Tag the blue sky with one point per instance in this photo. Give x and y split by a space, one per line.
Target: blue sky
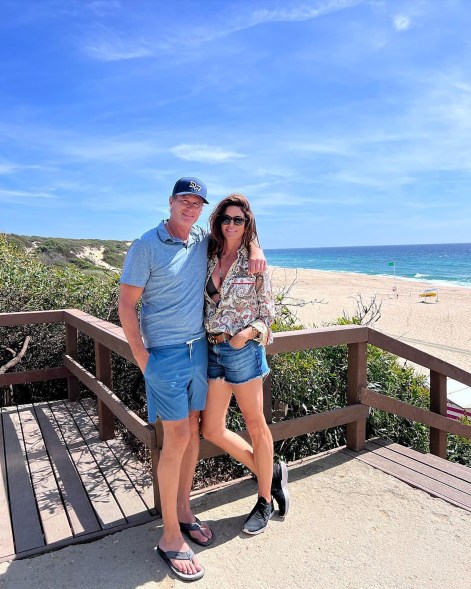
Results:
345 122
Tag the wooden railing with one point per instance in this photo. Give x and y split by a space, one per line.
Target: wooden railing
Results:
110 338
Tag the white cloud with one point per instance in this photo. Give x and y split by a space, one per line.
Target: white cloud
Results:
21 194
108 45
401 22
300 13
110 150
204 153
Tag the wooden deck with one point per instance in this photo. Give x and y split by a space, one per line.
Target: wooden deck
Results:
438 477
60 484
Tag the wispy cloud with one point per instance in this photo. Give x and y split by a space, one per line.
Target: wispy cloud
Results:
110 149
19 195
205 153
108 45
402 22
300 13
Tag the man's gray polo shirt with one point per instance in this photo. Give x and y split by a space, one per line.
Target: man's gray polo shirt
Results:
173 275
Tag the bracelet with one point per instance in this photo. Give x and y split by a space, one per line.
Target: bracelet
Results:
255 332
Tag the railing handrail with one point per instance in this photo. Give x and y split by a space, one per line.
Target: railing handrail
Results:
111 338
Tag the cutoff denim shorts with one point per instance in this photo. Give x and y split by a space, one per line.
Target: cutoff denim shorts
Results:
176 382
237 366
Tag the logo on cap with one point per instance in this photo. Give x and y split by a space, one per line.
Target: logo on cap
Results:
195 186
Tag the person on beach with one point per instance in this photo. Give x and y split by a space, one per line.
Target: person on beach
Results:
239 309
166 270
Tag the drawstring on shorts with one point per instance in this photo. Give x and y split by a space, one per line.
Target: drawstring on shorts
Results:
189 343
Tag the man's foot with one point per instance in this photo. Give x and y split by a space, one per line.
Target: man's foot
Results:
181 559
279 487
196 531
259 517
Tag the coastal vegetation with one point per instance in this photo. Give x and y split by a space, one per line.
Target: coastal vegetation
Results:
303 382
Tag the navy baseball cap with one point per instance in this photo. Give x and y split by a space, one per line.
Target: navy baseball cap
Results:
190 186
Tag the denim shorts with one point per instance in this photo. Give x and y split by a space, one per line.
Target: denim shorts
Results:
176 381
237 366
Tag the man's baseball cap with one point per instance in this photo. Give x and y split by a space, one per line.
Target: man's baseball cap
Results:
190 186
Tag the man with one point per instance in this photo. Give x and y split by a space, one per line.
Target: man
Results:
166 268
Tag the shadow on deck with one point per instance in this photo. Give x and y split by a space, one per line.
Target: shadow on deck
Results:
63 485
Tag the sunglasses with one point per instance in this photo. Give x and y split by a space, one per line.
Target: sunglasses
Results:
226 220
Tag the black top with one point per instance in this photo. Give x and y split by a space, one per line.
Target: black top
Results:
211 288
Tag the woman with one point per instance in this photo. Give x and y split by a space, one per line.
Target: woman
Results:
239 309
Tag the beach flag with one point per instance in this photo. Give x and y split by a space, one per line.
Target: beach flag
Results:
391 263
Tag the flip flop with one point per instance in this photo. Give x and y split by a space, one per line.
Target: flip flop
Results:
166 556
196 527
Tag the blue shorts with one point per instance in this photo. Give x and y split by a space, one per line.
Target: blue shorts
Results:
237 366
176 380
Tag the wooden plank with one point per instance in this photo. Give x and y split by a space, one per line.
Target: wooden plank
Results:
305 339
51 510
131 504
110 337
298 427
127 417
357 365
414 479
104 504
438 404
402 409
420 466
33 376
7 545
26 525
457 470
31 317
385 342
139 475
77 503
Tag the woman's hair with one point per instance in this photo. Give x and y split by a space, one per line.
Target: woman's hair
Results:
216 242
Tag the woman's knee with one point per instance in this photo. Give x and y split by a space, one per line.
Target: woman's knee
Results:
211 431
257 427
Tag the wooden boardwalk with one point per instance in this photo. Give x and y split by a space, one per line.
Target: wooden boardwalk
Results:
438 477
60 484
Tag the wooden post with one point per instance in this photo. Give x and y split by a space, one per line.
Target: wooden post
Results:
357 361
155 456
267 400
438 404
103 373
71 349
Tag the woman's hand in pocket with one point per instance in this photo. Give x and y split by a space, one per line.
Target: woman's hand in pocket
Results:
239 340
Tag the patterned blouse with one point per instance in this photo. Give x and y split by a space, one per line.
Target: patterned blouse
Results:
245 299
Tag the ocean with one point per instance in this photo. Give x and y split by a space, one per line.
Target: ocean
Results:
447 263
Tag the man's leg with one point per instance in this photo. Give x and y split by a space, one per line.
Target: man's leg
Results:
175 444
187 473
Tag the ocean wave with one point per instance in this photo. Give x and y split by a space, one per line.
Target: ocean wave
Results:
420 275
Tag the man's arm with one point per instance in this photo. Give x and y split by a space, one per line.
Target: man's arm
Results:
257 261
127 309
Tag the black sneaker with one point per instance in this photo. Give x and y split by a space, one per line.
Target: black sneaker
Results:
259 517
279 487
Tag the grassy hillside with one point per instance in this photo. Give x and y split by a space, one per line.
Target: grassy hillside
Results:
92 255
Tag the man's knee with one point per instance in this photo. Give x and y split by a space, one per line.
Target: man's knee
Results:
177 434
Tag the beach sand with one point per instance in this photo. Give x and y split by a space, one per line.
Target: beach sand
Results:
440 327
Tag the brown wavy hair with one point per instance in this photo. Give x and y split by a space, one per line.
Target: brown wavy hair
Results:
216 241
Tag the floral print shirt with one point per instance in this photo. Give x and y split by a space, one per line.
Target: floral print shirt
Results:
245 299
